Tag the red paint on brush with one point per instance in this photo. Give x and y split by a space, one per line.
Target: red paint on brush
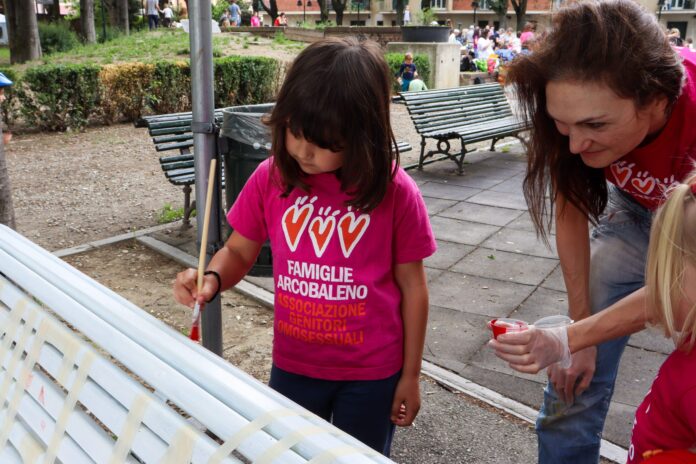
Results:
195 333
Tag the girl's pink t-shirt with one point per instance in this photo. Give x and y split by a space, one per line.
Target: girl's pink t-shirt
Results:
337 305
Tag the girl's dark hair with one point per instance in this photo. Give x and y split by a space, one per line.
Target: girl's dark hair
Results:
613 42
336 95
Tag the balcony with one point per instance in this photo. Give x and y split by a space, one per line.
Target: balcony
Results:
678 5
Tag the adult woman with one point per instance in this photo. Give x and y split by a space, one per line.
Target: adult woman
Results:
600 113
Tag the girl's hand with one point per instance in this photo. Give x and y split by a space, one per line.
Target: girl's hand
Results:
407 402
185 291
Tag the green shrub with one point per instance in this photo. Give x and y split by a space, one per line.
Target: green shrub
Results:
421 61
59 97
241 80
170 89
56 37
124 90
10 107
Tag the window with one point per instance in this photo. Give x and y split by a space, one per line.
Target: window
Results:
438 4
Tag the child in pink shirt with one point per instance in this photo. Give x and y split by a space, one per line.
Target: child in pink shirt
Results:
349 231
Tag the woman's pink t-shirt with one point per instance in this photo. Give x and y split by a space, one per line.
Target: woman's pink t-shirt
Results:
337 305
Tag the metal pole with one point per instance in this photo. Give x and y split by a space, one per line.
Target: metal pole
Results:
304 12
359 13
202 126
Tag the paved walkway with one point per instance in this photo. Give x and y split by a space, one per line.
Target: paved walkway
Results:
490 264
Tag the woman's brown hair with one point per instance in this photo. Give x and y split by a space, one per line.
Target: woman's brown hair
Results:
336 95
613 42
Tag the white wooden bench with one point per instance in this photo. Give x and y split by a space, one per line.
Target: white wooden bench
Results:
88 377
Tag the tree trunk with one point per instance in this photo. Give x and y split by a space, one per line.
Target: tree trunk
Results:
7 216
23 31
271 9
521 12
89 34
122 15
339 7
323 10
399 12
55 10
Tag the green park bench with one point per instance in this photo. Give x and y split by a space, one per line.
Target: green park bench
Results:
471 114
172 132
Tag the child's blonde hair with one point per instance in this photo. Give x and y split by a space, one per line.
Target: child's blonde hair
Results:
673 247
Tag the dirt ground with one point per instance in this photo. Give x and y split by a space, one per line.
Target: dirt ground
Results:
145 278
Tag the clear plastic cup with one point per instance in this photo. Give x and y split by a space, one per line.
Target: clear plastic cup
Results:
505 325
551 322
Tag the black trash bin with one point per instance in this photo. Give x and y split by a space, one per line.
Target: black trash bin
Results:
244 143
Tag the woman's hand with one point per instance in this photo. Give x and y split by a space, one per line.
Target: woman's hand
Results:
570 383
185 288
406 403
532 350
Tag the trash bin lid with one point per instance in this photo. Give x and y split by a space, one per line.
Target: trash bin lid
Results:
243 124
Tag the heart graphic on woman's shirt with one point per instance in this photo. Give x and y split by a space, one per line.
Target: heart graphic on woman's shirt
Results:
294 222
320 231
644 186
621 174
350 230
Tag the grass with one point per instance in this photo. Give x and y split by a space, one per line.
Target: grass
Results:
168 214
145 47
4 56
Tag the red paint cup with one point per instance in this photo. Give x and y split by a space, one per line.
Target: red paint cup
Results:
503 325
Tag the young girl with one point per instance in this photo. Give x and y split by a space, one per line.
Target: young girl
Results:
666 419
348 230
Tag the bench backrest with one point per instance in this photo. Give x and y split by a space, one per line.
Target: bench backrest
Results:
460 106
86 376
172 131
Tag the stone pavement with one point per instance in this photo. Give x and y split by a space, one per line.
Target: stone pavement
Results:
490 264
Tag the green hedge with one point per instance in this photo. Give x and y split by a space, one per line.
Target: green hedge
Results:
421 61
62 97
9 108
55 97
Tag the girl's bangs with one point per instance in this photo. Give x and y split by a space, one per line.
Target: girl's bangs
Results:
323 129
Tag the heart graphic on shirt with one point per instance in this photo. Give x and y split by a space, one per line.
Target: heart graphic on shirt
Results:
320 231
644 186
295 221
350 230
621 174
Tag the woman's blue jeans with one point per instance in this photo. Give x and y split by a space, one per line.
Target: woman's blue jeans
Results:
571 434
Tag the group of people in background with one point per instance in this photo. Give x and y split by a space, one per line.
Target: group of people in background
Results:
232 17
154 10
